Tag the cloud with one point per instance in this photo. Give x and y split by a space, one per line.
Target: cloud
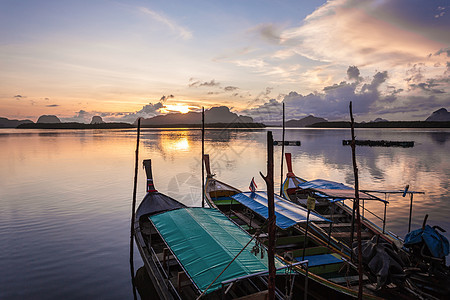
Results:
18 97
181 31
52 105
198 83
353 73
80 116
269 32
428 87
164 98
371 97
443 50
267 112
230 88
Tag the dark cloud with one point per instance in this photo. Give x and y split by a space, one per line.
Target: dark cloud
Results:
18 97
80 116
270 33
164 98
210 83
428 87
353 73
147 111
369 96
415 73
230 88
198 83
52 105
267 112
332 103
444 50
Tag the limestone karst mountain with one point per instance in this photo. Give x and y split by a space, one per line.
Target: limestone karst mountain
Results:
221 114
97 120
48 119
306 121
440 115
7 123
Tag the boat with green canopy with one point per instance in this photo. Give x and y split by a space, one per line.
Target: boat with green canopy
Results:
192 252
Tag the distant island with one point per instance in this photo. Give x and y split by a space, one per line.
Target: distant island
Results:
388 124
74 125
222 117
214 115
438 119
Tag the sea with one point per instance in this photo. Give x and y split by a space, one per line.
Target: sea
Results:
66 195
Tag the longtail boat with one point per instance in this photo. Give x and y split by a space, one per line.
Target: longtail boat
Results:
331 274
195 252
428 276
330 200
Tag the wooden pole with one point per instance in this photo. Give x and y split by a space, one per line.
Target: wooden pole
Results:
356 205
203 155
282 157
271 225
410 212
133 210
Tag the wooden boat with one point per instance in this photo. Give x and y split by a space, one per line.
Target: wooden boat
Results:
193 252
424 282
331 275
330 202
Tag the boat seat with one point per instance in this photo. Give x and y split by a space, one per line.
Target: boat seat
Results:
334 216
320 260
246 220
182 281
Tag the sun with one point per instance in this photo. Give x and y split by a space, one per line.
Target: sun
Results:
181 108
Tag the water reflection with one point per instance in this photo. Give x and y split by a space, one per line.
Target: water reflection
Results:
69 194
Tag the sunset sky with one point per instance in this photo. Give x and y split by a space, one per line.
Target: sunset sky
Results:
123 59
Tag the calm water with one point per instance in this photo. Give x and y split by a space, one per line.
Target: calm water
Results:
66 195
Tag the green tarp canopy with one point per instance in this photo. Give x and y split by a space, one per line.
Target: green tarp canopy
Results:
205 241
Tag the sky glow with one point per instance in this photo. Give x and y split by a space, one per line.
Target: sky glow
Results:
125 59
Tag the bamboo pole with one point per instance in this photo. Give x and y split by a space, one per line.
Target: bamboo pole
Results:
203 155
133 210
282 157
271 225
356 205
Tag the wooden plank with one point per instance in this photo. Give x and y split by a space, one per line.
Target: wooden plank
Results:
364 235
334 216
338 225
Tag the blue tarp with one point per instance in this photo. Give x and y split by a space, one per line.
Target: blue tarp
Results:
287 213
321 184
320 260
324 184
436 242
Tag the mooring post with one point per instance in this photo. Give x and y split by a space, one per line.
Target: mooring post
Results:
203 155
282 157
133 209
356 205
271 207
410 212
